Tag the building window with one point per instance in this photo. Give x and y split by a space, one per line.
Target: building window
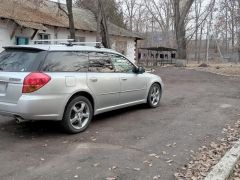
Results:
22 41
43 36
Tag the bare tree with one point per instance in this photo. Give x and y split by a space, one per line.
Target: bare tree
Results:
69 13
102 9
162 13
112 9
131 10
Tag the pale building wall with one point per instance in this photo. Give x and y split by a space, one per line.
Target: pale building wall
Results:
130 47
6 28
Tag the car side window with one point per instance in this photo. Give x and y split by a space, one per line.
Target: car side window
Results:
100 62
68 61
122 64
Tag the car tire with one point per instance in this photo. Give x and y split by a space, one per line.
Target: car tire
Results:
154 95
78 115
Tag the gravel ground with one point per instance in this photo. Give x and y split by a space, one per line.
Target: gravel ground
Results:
132 143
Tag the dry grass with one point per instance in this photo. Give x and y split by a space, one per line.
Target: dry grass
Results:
223 69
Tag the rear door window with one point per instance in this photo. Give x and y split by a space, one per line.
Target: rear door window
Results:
17 60
66 62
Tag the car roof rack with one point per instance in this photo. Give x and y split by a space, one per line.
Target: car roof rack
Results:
51 41
97 44
67 42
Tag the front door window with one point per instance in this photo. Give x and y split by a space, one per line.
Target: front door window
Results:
121 64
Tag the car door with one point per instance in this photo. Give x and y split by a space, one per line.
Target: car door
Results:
103 81
133 85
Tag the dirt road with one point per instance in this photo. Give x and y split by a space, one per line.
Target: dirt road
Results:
133 143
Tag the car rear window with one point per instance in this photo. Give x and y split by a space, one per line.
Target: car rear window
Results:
66 62
17 60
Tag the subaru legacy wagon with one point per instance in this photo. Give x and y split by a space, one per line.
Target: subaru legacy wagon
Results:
71 84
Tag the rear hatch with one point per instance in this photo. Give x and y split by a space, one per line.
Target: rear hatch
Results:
15 65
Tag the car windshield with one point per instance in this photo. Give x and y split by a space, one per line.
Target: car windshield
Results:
16 60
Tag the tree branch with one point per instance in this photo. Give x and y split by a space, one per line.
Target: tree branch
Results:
62 9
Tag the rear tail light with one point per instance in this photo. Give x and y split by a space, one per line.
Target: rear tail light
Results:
35 81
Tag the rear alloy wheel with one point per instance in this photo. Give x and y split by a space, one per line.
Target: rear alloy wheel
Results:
78 115
154 95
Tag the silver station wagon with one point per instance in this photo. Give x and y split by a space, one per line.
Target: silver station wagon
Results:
71 83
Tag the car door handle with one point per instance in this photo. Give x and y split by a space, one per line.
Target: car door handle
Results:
93 79
124 78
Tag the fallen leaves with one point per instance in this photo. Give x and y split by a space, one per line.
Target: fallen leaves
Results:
112 168
203 160
236 172
137 169
149 163
171 145
156 177
111 178
164 153
154 155
76 176
93 139
96 164
169 161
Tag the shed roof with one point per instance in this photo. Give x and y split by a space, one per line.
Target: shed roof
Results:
28 14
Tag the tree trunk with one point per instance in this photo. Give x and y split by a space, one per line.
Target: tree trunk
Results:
181 42
238 31
104 27
200 44
71 20
98 38
180 14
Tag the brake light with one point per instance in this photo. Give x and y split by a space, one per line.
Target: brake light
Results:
35 81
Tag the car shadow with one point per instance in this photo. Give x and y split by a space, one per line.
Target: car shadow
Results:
115 113
53 128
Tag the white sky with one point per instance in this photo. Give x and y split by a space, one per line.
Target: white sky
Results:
61 1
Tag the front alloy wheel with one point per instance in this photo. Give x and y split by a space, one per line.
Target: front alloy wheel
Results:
154 95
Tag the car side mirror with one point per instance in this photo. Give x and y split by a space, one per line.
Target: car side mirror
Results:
139 70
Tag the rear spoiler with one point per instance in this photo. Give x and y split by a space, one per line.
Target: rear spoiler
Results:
23 48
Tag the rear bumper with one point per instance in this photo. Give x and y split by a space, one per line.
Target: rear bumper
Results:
36 107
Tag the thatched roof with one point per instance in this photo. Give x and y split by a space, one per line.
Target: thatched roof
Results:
26 13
